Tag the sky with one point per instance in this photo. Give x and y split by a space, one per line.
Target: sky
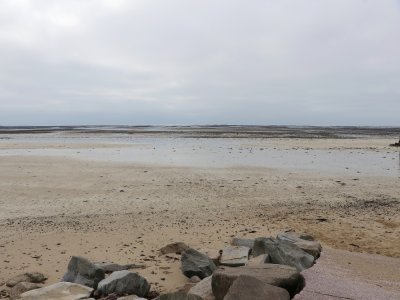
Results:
294 62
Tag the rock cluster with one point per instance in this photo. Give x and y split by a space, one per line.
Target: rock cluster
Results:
263 268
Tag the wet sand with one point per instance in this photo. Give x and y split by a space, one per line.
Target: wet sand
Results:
54 206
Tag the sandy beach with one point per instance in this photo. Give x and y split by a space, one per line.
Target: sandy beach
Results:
57 201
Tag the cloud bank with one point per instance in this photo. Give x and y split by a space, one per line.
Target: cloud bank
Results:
333 62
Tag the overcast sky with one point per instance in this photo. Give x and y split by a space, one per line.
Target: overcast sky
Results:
330 62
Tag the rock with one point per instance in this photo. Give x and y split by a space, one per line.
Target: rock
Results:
259 247
177 248
311 247
111 297
242 242
194 279
178 296
4 294
131 297
59 291
203 289
82 271
351 275
33 277
111 267
194 263
250 288
213 254
23 287
282 276
235 256
124 283
259 260
283 252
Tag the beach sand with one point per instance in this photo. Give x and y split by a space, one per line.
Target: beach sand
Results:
53 207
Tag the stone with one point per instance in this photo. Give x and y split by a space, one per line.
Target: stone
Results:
242 242
213 254
203 289
311 247
33 277
259 260
282 276
194 263
259 246
59 291
194 279
283 252
131 297
23 287
340 274
178 296
234 256
177 248
250 288
82 271
124 283
111 267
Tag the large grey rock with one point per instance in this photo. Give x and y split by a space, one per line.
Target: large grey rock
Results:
259 260
282 276
203 289
194 263
33 277
177 248
349 275
59 291
260 247
243 242
124 283
250 288
111 267
23 287
178 296
235 256
82 271
131 297
283 252
311 247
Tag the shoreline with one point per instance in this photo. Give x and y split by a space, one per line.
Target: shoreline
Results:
124 213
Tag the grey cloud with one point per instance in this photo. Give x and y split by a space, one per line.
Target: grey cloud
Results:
256 62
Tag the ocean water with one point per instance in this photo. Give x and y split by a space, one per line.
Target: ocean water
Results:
210 153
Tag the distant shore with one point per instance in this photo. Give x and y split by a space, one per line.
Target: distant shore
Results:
220 131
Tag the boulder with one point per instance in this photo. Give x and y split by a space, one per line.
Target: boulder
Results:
250 288
283 252
178 296
282 276
23 287
259 246
82 271
234 256
242 242
177 248
33 277
111 267
131 297
124 283
311 247
194 263
203 289
259 260
59 291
